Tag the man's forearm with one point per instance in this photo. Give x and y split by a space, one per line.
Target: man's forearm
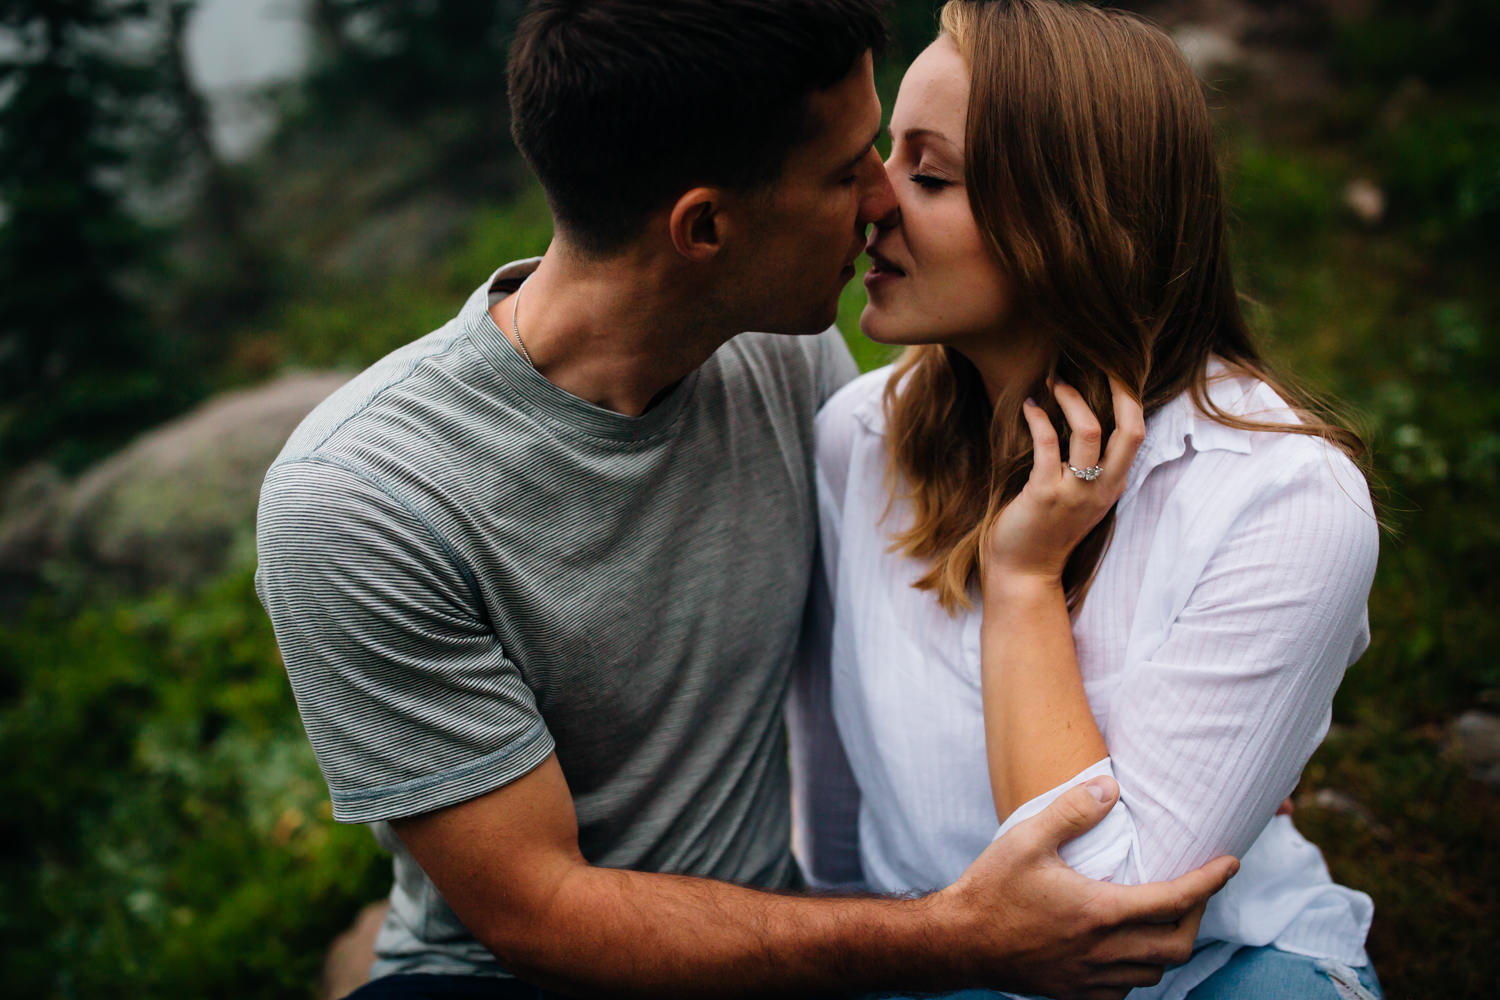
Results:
631 933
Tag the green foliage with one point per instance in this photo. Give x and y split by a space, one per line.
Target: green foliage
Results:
1441 168
1445 44
1403 324
170 831
347 322
1425 854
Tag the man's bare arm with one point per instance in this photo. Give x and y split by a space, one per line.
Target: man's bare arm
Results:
508 863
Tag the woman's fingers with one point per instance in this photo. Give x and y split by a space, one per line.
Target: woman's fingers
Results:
1086 435
1129 432
1045 453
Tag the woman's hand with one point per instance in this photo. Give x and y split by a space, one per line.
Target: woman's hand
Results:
1036 532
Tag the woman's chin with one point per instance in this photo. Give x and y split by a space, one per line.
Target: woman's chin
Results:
883 328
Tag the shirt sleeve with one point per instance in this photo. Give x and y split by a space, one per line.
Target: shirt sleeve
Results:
407 698
836 367
1210 730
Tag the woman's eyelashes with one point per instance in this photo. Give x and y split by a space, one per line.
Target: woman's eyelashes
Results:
929 182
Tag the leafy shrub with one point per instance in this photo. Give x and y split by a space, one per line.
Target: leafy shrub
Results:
169 834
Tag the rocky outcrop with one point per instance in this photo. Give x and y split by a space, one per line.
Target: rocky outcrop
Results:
1474 739
172 508
346 967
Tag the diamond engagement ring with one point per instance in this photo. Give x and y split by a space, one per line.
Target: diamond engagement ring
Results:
1089 474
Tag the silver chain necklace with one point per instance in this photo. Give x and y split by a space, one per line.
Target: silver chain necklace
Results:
515 324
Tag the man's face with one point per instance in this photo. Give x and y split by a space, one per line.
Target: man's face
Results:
808 230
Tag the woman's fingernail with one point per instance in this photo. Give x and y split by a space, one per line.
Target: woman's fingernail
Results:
1097 790
1030 401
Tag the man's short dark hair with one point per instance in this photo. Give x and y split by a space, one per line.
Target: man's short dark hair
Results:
621 105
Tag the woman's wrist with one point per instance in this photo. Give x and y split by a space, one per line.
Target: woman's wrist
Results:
1010 587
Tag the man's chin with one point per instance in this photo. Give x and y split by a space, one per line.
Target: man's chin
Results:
807 326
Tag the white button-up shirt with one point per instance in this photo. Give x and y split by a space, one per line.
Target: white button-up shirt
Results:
1223 616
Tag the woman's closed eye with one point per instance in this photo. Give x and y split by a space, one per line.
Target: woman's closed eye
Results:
930 182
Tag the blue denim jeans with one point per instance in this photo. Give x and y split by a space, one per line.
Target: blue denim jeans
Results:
434 987
1265 974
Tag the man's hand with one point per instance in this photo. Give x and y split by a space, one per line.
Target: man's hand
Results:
1051 931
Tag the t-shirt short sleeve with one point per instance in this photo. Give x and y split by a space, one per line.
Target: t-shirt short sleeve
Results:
836 365
408 699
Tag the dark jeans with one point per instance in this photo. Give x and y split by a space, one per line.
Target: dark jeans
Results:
421 987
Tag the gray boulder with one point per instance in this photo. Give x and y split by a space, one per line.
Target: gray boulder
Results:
169 510
1474 738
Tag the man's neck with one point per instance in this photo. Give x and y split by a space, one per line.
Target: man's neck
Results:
617 333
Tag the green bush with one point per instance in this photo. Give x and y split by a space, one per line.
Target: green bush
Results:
170 834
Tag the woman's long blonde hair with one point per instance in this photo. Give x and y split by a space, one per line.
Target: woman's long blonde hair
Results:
1091 172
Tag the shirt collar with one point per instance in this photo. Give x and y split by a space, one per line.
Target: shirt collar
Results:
1180 423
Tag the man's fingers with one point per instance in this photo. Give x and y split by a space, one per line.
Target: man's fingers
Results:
1131 975
1072 813
1189 923
1104 993
1171 902
1151 944
1213 876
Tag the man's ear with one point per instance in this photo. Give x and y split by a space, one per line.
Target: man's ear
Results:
697 224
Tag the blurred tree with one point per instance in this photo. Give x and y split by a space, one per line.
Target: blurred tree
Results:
914 24
80 366
414 57
426 62
224 269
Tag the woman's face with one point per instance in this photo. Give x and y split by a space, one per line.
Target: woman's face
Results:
932 280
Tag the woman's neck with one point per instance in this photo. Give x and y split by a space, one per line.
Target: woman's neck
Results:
1006 365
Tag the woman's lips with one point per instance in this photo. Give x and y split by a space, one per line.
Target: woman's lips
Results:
881 272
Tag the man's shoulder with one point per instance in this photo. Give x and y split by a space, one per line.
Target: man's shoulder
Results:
414 391
363 397
814 366
777 348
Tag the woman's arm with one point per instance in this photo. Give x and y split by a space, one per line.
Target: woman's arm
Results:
1213 722
1218 712
1039 731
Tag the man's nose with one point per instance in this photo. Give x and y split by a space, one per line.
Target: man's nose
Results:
879 202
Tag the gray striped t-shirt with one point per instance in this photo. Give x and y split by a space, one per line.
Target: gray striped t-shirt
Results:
469 568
